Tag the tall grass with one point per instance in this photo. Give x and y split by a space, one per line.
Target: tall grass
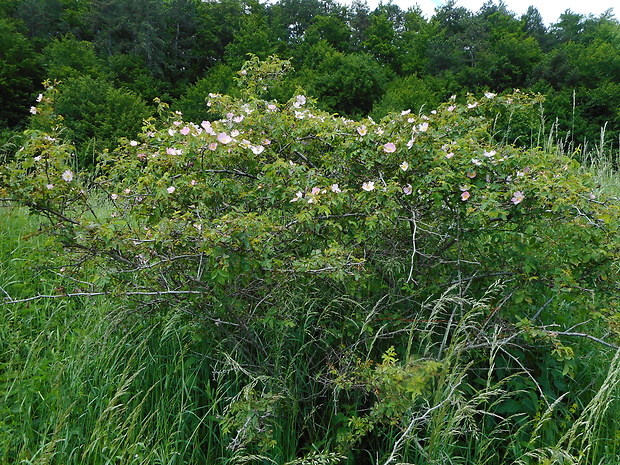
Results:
91 381
82 382
601 160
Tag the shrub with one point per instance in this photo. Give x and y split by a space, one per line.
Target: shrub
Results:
96 114
228 219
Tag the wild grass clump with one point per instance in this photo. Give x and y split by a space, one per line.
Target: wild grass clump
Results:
603 162
84 382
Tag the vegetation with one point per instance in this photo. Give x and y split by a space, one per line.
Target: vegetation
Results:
112 55
279 284
396 244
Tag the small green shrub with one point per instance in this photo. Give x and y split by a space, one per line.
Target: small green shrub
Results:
95 115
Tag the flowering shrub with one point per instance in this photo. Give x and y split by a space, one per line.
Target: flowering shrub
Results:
238 220
275 193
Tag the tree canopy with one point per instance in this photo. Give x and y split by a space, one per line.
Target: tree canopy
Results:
157 48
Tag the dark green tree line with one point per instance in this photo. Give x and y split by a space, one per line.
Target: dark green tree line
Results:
355 60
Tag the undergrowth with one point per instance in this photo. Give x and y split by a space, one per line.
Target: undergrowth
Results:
79 385
91 382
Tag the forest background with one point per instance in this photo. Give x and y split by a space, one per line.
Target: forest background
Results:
114 57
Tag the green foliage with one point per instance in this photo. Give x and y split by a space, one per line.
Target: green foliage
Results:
311 289
41 18
348 84
331 29
397 388
413 42
18 74
381 38
581 96
97 115
135 27
274 187
218 23
68 58
193 104
302 245
159 48
9 143
253 37
406 93
130 72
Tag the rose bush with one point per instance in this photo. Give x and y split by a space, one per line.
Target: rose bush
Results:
280 192
227 218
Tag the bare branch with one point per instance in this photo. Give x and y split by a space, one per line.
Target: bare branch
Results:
304 158
9 300
36 206
587 336
235 172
